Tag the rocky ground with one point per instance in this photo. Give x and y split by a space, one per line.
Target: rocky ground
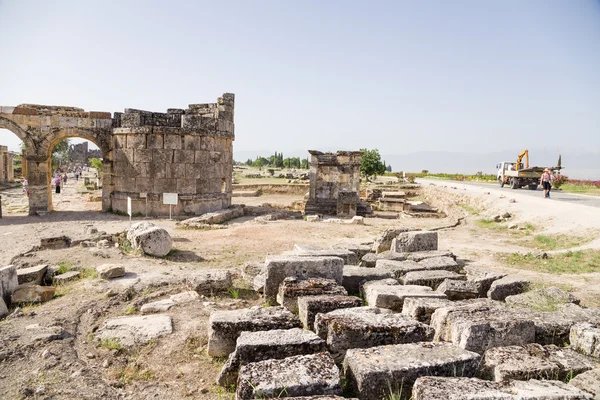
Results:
50 350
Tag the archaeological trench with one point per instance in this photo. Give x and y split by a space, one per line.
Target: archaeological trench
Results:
392 318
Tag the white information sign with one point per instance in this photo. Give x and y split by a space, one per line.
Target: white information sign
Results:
129 212
170 199
143 195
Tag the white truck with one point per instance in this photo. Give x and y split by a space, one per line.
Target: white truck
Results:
518 175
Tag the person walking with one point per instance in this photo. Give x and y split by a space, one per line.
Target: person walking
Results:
57 181
26 187
64 178
546 182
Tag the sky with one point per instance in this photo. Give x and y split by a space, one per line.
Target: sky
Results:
400 76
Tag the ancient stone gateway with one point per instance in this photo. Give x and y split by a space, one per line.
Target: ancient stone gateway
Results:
184 151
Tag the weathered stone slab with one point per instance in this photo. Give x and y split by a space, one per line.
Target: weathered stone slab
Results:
389 294
358 249
157 306
368 260
415 241
137 330
304 375
533 361
292 288
310 306
355 276
29 293
384 240
544 299
217 217
354 330
66 277
507 286
372 373
210 281
32 275
450 388
459 290
8 282
589 382
444 262
585 338
280 267
349 257
110 271
430 278
482 277
478 327
59 242
421 309
224 327
150 239
321 324
185 297
423 255
400 268
266 345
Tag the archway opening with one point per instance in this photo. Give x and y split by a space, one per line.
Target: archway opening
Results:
12 169
75 175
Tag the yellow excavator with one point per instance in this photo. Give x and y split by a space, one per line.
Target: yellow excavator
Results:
518 174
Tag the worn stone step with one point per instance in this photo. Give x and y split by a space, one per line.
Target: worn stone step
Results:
379 372
306 375
310 306
390 294
224 327
292 288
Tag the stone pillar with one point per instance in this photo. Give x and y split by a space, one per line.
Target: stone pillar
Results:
107 184
10 171
39 188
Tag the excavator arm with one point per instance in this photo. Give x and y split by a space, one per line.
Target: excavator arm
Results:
524 153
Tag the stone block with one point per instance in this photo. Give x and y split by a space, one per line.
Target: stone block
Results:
65 277
210 281
173 142
4 308
217 217
322 320
459 290
585 338
280 267
346 255
58 242
29 293
482 277
421 309
589 382
423 255
544 299
507 286
137 330
358 330
136 141
185 297
268 345
389 294
390 255
430 278
444 262
157 306
375 372
384 240
162 156
292 288
184 156
32 274
305 375
142 156
533 361
110 271
415 241
478 327
226 326
310 306
154 141
368 260
150 239
355 276
441 388
358 249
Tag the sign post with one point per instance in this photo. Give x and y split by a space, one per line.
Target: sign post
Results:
129 212
171 199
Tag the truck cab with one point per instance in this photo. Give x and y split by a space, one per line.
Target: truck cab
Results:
502 167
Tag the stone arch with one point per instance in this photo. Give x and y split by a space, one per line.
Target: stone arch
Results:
30 147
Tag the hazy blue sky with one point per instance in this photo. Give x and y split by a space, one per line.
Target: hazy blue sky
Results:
395 75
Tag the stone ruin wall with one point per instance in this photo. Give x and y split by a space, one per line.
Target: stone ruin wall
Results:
6 165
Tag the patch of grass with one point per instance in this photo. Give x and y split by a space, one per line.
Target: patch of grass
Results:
127 248
558 241
111 344
580 189
88 273
130 310
571 262
133 372
64 266
234 293
470 209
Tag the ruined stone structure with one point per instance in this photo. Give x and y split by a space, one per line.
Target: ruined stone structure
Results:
335 184
145 154
6 165
81 154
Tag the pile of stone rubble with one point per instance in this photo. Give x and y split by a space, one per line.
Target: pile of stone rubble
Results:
398 319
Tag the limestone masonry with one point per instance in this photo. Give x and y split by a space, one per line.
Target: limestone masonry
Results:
145 154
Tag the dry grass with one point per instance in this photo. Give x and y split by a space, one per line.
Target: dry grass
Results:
571 262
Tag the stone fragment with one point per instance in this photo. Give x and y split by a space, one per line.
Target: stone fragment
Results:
40 333
423 255
430 278
137 330
59 242
310 306
369 260
355 276
389 294
292 288
588 382
224 327
210 281
29 293
420 309
482 277
266 345
544 299
3 308
321 324
553 327
110 271
375 372
384 240
304 375
33 275
8 282
415 241
444 263
250 270
585 338
352 330
533 361
459 290
478 327
507 286
280 267
65 277
150 239
217 217
312 218
157 306
185 297
451 388
349 257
